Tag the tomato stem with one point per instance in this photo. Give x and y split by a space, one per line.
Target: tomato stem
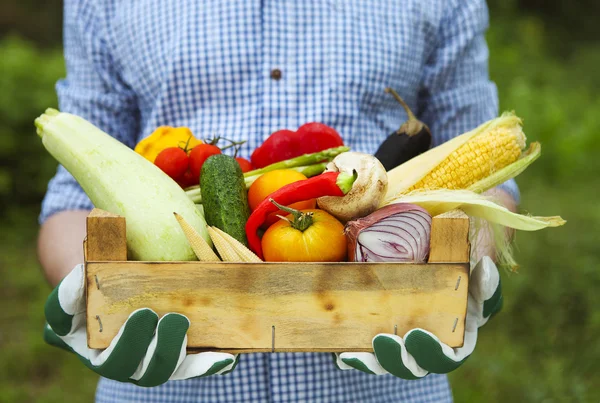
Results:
187 143
233 144
302 221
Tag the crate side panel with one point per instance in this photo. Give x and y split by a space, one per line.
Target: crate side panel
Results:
313 307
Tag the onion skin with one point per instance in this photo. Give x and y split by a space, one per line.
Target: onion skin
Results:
367 192
412 226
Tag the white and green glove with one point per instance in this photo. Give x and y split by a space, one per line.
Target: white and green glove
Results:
146 351
420 352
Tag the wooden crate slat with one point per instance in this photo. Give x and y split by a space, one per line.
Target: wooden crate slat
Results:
449 238
106 237
328 307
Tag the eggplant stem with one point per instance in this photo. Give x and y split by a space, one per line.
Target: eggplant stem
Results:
411 115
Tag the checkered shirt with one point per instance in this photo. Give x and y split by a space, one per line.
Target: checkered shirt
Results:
211 66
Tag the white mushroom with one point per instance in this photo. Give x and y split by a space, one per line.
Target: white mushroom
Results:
367 192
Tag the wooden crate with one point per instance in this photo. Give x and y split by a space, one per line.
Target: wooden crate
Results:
291 307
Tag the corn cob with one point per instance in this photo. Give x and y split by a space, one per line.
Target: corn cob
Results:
201 248
226 251
244 253
478 158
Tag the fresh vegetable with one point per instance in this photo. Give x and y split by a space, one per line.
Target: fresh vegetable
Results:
198 156
308 171
286 144
326 184
477 160
307 165
301 161
304 236
201 248
165 137
121 181
230 249
244 164
366 193
395 233
272 181
411 139
173 161
315 137
224 195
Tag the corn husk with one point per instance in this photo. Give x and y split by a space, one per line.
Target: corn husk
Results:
483 212
476 205
499 177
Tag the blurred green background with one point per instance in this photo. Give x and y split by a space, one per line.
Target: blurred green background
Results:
544 347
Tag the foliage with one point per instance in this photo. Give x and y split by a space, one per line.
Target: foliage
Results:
541 348
27 86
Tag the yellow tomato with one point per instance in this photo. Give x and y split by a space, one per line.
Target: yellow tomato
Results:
322 241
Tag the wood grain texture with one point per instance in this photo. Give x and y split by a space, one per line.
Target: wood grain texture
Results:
106 237
449 238
313 306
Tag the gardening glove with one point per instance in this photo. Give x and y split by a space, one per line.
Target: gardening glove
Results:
147 351
420 352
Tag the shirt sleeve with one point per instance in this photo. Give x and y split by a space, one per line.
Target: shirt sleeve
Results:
456 94
93 90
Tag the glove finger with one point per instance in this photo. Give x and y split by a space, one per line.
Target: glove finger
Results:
52 338
127 350
431 354
65 301
204 364
364 362
228 370
395 359
494 305
484 279
166 351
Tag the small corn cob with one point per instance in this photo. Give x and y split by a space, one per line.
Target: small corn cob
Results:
476 159
201 248
228 254
244 253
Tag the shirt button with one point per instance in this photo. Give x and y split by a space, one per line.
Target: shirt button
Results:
276 74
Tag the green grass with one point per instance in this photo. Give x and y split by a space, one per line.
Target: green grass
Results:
30 370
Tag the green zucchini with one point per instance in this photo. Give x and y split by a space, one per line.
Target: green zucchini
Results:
224 195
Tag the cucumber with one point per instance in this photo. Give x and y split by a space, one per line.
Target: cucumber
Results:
224 195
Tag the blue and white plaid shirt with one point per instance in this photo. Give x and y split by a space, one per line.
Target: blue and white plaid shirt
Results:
135 65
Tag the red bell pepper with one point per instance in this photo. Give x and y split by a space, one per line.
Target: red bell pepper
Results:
286 144
326 184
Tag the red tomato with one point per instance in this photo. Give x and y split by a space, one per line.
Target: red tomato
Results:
198 155
173 161
244 164
187 180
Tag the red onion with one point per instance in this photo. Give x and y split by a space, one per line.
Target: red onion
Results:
395 233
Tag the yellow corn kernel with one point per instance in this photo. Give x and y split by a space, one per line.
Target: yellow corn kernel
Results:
228 254
478 158
244 253
201 248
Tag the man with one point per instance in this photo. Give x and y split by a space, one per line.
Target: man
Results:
244 69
